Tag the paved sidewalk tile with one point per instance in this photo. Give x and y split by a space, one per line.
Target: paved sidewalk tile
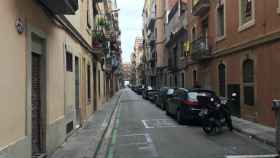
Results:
262 133
83 143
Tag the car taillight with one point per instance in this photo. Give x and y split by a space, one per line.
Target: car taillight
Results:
190 103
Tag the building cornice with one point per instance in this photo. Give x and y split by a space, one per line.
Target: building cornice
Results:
261 40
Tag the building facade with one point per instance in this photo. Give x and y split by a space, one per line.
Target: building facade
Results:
52 69
176 34
139 63
245 54
226 46
149 17
161 63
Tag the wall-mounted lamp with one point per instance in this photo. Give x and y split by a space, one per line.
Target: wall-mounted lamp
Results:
19 25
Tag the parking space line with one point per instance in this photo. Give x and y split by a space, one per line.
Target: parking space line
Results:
253 156
133 144
131 135
159 123
146 125
151 145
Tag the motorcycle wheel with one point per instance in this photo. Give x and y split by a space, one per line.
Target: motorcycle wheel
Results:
208 128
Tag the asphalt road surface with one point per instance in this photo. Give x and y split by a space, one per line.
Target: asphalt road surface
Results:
144 131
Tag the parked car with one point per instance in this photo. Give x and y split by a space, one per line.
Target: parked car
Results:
152 95
184 106
139 89
145 92
133 87
164 94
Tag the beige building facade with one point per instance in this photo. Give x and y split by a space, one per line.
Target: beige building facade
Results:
51 79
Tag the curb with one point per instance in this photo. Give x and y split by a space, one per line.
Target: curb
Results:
256 137
100 141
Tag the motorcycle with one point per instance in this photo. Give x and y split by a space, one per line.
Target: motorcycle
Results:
214 114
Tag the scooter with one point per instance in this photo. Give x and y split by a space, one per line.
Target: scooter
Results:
214 114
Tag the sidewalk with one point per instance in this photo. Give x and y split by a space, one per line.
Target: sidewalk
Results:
85 142
256 131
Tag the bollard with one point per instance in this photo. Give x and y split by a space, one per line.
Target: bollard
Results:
276 109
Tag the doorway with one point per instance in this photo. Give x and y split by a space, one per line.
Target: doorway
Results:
235 107
38 109
95 88
77 90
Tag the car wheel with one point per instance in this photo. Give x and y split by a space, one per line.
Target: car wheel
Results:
167 112
179 116
163 106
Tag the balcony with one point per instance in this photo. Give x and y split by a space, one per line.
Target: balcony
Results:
152 17
151 21
61 7
176 26
201 49
152 39
200 7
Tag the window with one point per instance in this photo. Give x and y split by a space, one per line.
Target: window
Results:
156 34
220 19
222 80
194 78
278 9
248 82
182 80
183 7
193 34
89 83
69 62
156 10
88 14
183 49
246 13
99 79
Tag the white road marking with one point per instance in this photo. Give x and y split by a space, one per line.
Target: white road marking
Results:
147 145
252 156
151 146
104 124
159 123
131 135
133 144
148 138
146 124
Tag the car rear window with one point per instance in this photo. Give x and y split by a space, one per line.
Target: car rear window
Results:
192 96
170 91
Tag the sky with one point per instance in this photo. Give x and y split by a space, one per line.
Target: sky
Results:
130 18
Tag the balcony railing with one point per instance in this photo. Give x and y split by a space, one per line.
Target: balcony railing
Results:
201 49
177 22
152 39
151 21
61 7
152 17
200 7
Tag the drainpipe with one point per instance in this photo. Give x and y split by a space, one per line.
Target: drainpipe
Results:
276 109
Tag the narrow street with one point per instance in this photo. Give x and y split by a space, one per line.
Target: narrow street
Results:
143 131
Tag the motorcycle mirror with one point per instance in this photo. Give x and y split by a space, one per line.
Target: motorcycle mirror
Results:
233 94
